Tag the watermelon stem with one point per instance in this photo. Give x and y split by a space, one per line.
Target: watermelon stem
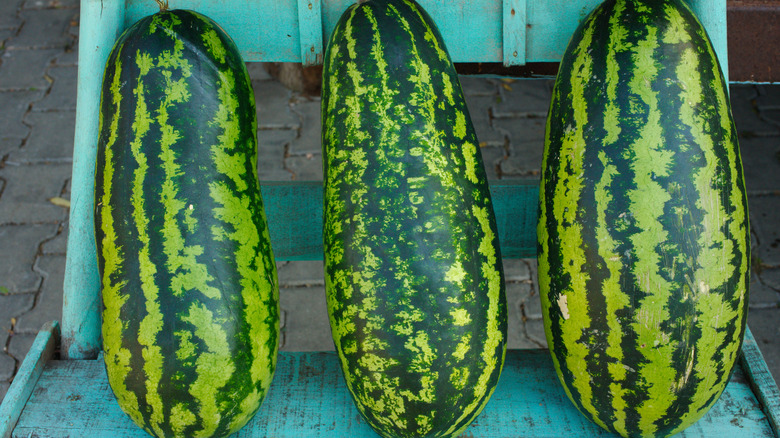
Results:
163 5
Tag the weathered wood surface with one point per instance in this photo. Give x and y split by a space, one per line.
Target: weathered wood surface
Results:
308 398
41 351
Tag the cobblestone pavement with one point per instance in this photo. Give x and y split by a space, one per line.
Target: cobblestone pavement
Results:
37 110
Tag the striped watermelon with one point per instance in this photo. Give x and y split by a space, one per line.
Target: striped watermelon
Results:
415 286
643 232
190 325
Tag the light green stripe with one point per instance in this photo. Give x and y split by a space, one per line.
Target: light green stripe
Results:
617 35
117 357
214 44
214 367
152 323
494 336
715 315
257 269
181 259
616 299
647 201
566 198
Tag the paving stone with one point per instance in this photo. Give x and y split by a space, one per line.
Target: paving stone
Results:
534 270
478 86
764 220
522 161
4 389
25 69
772 115
491 159
19 245
480 108
305 167
51 139
68 57
12 112
48 306
514 297
762 295
301 273
516 270
12 306
532 305
273 106
768 96
523 97
761 163
523 131
7 367
307 327
9 13
309 139
25 199
20 344
257 71
45 4
271 152
743 107
5 34
534 330
44 28
765 288
526 146
57 245
62 94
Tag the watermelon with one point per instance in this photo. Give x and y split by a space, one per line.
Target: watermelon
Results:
190 293
415 286
643 234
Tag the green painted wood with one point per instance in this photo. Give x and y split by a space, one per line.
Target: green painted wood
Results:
294 212
761 380
308 398
514 31
310 31
26 378
100 24
266 30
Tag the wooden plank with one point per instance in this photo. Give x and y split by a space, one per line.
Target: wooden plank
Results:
294 212
26 378
761 380
308 397
514 29
310 31
266 30
100 24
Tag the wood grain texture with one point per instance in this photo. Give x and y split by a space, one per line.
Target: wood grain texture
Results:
26 378
761 380
266 30
308 398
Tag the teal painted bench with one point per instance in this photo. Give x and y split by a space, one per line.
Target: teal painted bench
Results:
61 388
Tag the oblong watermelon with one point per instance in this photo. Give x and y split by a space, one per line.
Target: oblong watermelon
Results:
415 286
191 317
643 231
